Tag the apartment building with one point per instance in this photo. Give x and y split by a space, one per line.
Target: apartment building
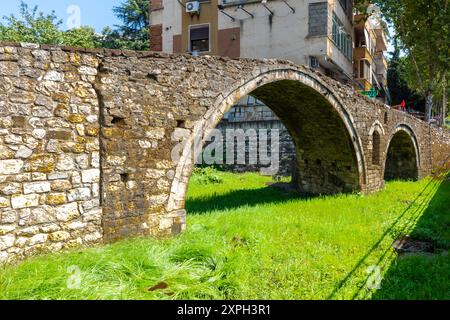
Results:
308 32
370 65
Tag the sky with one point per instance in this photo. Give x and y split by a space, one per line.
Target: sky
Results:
94 13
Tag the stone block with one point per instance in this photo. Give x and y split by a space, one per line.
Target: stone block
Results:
8 217
11 166
4 203
38 239
92 215
76 225
36 187
59 236
93 237
65 163
28 232
24 201
54 76
79 194
67 212
90 176
6 229
10 188
6 241
61 185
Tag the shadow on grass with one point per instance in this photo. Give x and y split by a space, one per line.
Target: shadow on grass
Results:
423 275
426 218
241 198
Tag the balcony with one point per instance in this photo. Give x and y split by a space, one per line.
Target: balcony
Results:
380 61
361 53
382 79
381 40
381 67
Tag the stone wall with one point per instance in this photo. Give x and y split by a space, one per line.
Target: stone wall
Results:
440 147
258 117
87 138
49 151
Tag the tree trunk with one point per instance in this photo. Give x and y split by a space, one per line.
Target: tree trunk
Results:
428 105
444 102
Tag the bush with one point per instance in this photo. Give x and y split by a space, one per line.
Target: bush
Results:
207 175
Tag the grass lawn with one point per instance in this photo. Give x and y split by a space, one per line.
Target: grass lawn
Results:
246 240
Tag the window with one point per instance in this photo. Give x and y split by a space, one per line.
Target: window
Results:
364 70
343 4
361 69
318 18
341 38
199 38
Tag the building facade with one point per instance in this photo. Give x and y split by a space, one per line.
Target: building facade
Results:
370 65
307 32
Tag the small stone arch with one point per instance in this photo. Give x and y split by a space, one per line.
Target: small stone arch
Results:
229 97
402 154
377 126
375 134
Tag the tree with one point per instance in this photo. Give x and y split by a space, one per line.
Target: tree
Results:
135 15
134 34
397 84
422 27
81 37
31 27
115 39
37 27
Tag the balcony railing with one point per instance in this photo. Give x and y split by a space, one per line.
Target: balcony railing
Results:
237 2
380 60
362 53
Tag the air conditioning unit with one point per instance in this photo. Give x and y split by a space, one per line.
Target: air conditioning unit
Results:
193 7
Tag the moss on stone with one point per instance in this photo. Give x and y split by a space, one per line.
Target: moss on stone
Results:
75 118
44 163
92 130
56 199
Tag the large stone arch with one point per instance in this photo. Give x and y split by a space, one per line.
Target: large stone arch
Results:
254 85
376 133
402 160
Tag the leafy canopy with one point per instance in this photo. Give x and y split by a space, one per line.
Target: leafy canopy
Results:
37 27
134 33
422 26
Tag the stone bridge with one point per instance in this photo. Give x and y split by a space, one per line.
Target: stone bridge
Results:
87 138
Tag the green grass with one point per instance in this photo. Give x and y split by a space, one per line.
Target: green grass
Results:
246 240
